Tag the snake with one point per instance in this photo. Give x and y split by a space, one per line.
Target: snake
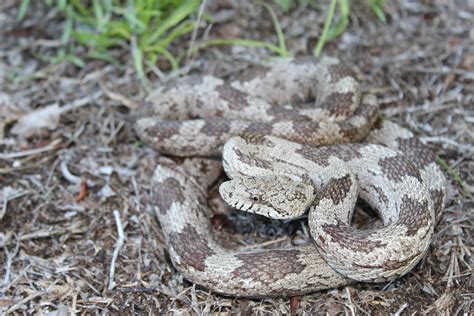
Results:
293 135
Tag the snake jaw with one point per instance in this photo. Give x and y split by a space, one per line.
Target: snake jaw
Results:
275 196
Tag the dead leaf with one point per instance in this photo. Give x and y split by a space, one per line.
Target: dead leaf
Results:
47 117
9 112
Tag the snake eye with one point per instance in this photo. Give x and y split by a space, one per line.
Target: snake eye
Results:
255 198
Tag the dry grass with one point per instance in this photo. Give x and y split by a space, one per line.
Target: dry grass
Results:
62 185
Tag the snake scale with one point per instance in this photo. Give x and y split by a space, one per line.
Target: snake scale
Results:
293 134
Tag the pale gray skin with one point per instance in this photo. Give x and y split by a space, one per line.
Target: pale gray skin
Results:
198 115
276 196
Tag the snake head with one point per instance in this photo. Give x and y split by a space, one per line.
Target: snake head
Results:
274 196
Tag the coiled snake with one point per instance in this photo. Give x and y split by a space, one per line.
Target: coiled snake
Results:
294 134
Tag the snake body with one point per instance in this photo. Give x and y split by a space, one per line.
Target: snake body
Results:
265 126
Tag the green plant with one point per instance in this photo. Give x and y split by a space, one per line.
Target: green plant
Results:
148 26
332 30
377 8
281 49
285 5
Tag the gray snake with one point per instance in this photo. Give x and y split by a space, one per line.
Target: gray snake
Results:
304 120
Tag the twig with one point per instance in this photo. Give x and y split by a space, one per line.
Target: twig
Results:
42 233
443 70
441 139
80 102
350 304
68 175
264 244
51 146
7 196
23 301
118 97
400 310
118 246
10 257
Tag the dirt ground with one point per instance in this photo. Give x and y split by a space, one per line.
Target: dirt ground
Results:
68 185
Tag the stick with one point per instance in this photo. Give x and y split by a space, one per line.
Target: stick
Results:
118 246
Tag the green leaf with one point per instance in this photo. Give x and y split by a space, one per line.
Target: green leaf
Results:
62 5
103 56
284 4
137 55
22 10
327 23
79 7
342 23
276 23
70 58
95 40
379 13
66 31
178 15
180 30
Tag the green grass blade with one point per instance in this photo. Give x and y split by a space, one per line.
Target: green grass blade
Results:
70 58
62 5
98 13
67 31
22 10
167 54
180 30
100 42
103 56
81 9
342 23
137 56
377 8
178 15
327 23
276 24
284 4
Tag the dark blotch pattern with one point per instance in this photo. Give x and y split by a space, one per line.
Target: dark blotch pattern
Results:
236 98
166 192
337 189
252 161
191 247
414 215
213 127
256 139
313 155
419 154
321 155
337 104
351 238
346 153
398 167
340 71
262 268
